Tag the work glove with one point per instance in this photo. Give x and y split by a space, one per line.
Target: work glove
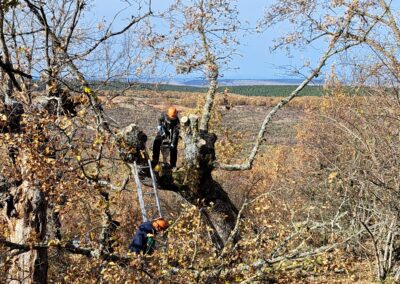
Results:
150 242
161 130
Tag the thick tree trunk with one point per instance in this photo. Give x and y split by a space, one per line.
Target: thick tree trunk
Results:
194 181
24 207
109 226
26 216
212 90
199 186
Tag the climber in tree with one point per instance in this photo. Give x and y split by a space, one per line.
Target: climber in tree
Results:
167 131
143 241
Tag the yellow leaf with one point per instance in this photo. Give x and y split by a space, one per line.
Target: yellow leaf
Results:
78 158
82 112
87 90
53 243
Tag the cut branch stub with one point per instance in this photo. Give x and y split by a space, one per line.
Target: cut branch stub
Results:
217 208
190 137
132 142
199 145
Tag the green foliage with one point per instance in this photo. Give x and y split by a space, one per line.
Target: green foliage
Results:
274 90
256 90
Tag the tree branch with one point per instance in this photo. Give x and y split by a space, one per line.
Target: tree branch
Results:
262 265
260 138
67 246
112 34
213 70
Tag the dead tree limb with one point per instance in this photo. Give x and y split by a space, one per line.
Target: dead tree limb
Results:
66 246
292 255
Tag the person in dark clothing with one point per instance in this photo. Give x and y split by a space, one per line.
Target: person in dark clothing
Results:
143 241
167 131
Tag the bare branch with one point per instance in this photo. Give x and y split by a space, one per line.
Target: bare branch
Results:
260 138
262 265
112 34
67 246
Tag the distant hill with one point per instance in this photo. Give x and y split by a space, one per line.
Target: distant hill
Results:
247 82
247 87
252 90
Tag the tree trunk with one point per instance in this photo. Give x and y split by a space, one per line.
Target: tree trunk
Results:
199 186
25 210
194 181
27 224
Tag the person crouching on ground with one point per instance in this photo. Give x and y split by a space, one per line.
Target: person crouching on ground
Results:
143 241
168 128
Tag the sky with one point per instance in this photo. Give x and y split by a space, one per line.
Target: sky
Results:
255 61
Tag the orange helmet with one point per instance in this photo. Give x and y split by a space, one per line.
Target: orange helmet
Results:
160 224
172 113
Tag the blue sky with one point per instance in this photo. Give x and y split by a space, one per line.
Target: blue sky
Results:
255 60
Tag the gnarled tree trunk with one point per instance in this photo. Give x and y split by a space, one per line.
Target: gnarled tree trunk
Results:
194 181
198 184
26 214
24 207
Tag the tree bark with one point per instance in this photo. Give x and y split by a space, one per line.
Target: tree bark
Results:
24 207
212 90
198 184
27 223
